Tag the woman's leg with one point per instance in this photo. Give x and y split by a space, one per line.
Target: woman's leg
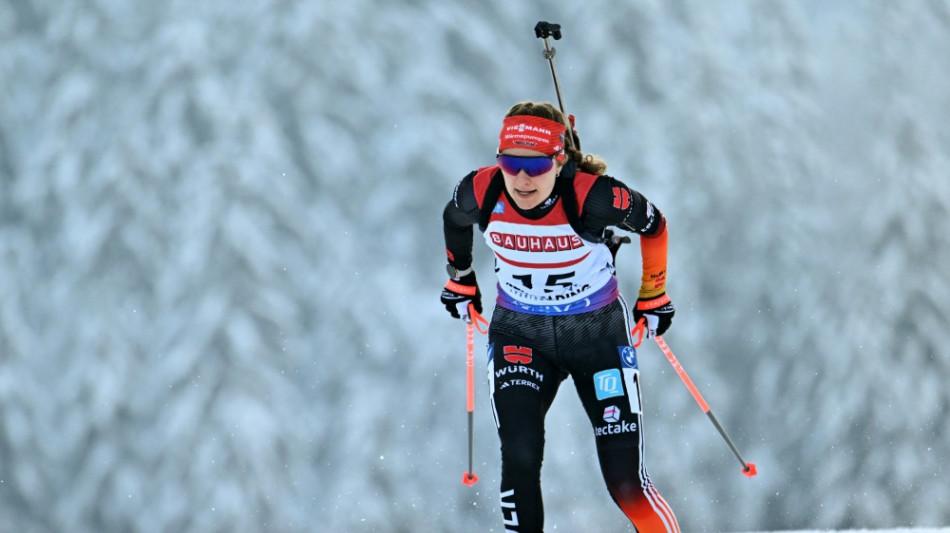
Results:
606 374
523 385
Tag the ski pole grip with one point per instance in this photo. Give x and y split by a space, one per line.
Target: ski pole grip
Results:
543 30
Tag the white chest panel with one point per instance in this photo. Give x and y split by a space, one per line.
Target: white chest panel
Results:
548 269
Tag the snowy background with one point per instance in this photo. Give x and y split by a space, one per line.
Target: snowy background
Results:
221 254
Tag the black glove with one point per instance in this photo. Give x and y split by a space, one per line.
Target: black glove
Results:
658 312
459 292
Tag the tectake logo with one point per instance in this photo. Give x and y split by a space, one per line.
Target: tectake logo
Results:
612 414
607 384
615 429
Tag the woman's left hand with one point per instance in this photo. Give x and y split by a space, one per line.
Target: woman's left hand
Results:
658 313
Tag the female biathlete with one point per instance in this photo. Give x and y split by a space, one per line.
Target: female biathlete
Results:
544 209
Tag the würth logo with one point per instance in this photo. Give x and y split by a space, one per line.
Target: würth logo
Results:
519 355
621 198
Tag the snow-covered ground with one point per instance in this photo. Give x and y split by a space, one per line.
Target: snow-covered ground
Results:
903 530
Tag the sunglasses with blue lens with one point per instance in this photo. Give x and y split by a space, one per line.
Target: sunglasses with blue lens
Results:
532 165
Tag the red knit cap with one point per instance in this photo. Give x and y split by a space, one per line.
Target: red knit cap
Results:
534 133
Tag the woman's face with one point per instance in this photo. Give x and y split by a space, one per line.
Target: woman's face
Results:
529 191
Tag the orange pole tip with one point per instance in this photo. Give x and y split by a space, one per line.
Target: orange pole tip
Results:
469 478
750 470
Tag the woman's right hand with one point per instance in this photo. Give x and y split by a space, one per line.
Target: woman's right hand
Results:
458 293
